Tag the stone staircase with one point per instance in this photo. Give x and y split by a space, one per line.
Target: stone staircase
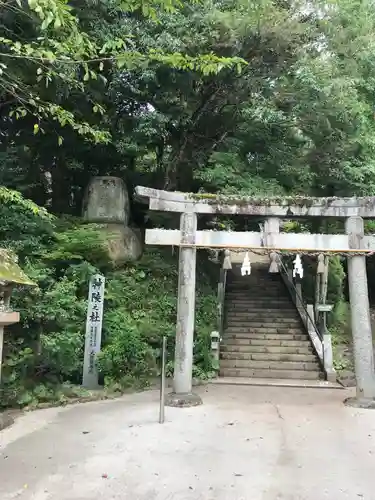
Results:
264 336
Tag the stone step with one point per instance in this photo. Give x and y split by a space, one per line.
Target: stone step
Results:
249 327
232 348
244 299
268 309
253 287
271 321
266 356
265 330
256 288
266 312
242 302
248 330
282 374
266 342
262 307
287 312
263 311
261 304
259 300
264 336
254 279
269 365
259 278
259 316
256 293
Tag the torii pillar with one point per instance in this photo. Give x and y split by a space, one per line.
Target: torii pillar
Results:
360 319
182 395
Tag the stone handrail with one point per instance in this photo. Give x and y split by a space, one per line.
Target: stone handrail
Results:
217 335
221 298
321 340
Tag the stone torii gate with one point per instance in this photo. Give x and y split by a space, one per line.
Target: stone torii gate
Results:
354 243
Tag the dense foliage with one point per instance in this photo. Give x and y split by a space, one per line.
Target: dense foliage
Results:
45 351
218 96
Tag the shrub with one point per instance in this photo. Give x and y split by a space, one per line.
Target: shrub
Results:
45 350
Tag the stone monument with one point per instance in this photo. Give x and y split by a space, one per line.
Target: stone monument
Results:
106 203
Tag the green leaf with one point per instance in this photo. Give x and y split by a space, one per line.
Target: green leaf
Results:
57 24
36 128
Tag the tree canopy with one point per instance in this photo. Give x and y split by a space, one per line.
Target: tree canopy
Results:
264 96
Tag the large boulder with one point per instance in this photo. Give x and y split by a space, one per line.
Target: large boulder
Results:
123 243
106 200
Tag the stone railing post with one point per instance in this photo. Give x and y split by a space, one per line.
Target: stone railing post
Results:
328 356
183 364
312 332
360 316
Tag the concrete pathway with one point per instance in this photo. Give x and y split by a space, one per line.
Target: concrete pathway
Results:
248 443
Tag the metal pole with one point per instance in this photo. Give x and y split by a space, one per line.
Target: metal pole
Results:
162 382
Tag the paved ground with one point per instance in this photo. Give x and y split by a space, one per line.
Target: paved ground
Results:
249 443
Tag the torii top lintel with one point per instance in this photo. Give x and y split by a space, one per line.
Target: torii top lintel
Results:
287 207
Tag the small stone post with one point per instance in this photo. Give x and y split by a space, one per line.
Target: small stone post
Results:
360 318
327 355
183 364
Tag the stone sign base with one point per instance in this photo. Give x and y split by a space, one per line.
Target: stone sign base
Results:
183 400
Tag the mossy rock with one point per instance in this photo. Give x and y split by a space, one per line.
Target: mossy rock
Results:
10 271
